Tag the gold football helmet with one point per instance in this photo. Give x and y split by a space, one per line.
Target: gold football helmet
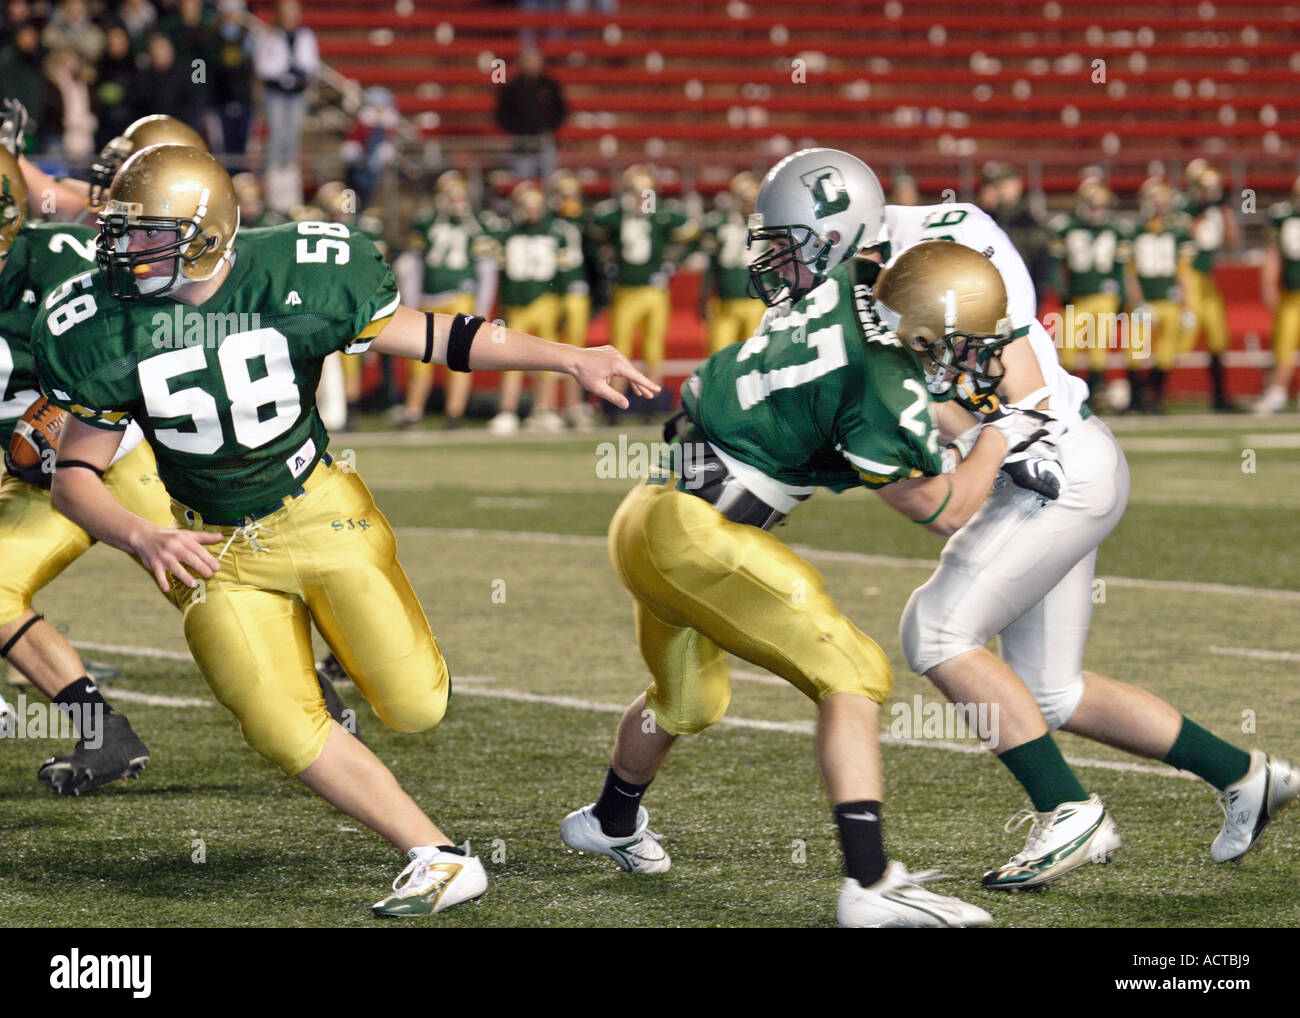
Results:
157 129
744 192
637 184
1093 201
173 190
527 202
13 201
565 191
1155 198
451 194
948 305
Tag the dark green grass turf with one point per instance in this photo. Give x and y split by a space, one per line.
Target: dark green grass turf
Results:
741 809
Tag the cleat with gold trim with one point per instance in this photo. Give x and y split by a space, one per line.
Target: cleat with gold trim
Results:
433 881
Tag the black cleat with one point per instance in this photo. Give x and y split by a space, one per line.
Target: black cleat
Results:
120 753
329 672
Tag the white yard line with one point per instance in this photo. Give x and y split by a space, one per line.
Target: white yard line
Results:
1256 653
857 558
479 685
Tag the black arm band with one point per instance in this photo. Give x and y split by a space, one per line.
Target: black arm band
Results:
428 338
59 464
463 329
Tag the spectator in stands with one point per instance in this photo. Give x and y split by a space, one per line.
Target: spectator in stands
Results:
904 191
70 107
233 77
17 13
24 80
111 97
163 85
530 106
191 30
138 17
72 28
368 150
285 59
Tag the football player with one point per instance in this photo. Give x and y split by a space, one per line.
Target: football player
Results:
1280 282
1214 227
1092 247
539 260
1162 250
36 541
279 533
732 314
460 277
1021 570
564 195
820 396
640 226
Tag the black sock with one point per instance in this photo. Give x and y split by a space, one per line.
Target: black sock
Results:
81 700
616 808
864 848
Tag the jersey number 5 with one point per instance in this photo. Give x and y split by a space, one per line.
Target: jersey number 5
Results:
248 396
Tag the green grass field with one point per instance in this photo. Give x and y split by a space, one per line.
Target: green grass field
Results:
1201 597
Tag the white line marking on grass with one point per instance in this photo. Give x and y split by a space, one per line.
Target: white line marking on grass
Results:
473 685
858 558
1256 653
155 652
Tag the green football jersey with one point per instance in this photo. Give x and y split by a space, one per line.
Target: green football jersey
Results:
725 239
1285 218
451 246
1207 232
536 259
225 393
641 241
1158 249
1092 253
43 255
820 397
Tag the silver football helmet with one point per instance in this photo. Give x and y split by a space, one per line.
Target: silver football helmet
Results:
815 209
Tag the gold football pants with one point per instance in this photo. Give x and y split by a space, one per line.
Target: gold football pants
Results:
37 542
705 586
1158 344
328 556
1094 323
577 316
461 304
643 308
1209 315
733 321
1286 327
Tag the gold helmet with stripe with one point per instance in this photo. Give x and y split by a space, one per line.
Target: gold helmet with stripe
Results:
157 129
13 201
948 305
176 191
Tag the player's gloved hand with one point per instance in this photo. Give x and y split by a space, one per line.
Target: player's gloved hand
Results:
13 125
1037 468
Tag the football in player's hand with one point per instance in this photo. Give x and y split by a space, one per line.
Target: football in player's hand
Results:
35 443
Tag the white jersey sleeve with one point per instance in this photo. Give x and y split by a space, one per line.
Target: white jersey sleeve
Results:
970 226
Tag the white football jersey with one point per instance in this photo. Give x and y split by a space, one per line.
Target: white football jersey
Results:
971 226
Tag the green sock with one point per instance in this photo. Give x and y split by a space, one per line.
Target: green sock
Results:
1044 774
1207 756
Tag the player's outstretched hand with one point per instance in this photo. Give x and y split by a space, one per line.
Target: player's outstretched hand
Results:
595 366
166 551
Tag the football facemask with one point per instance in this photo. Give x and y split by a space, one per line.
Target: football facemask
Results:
125 270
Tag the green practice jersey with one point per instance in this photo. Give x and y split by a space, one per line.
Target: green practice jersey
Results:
1092 253
725 238
1285 218
536 258
1207 231
819 397
641 241
1158 249
43 255
452 244
225 393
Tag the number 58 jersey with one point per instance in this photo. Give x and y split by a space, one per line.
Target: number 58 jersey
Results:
225 392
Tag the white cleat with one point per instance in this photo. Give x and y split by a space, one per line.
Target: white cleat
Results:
898 900
1071 835
434 883
8 719
1273 401
1248 805
504 423
638 852
545 422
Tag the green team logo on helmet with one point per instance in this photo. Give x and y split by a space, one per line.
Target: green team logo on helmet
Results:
830 195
